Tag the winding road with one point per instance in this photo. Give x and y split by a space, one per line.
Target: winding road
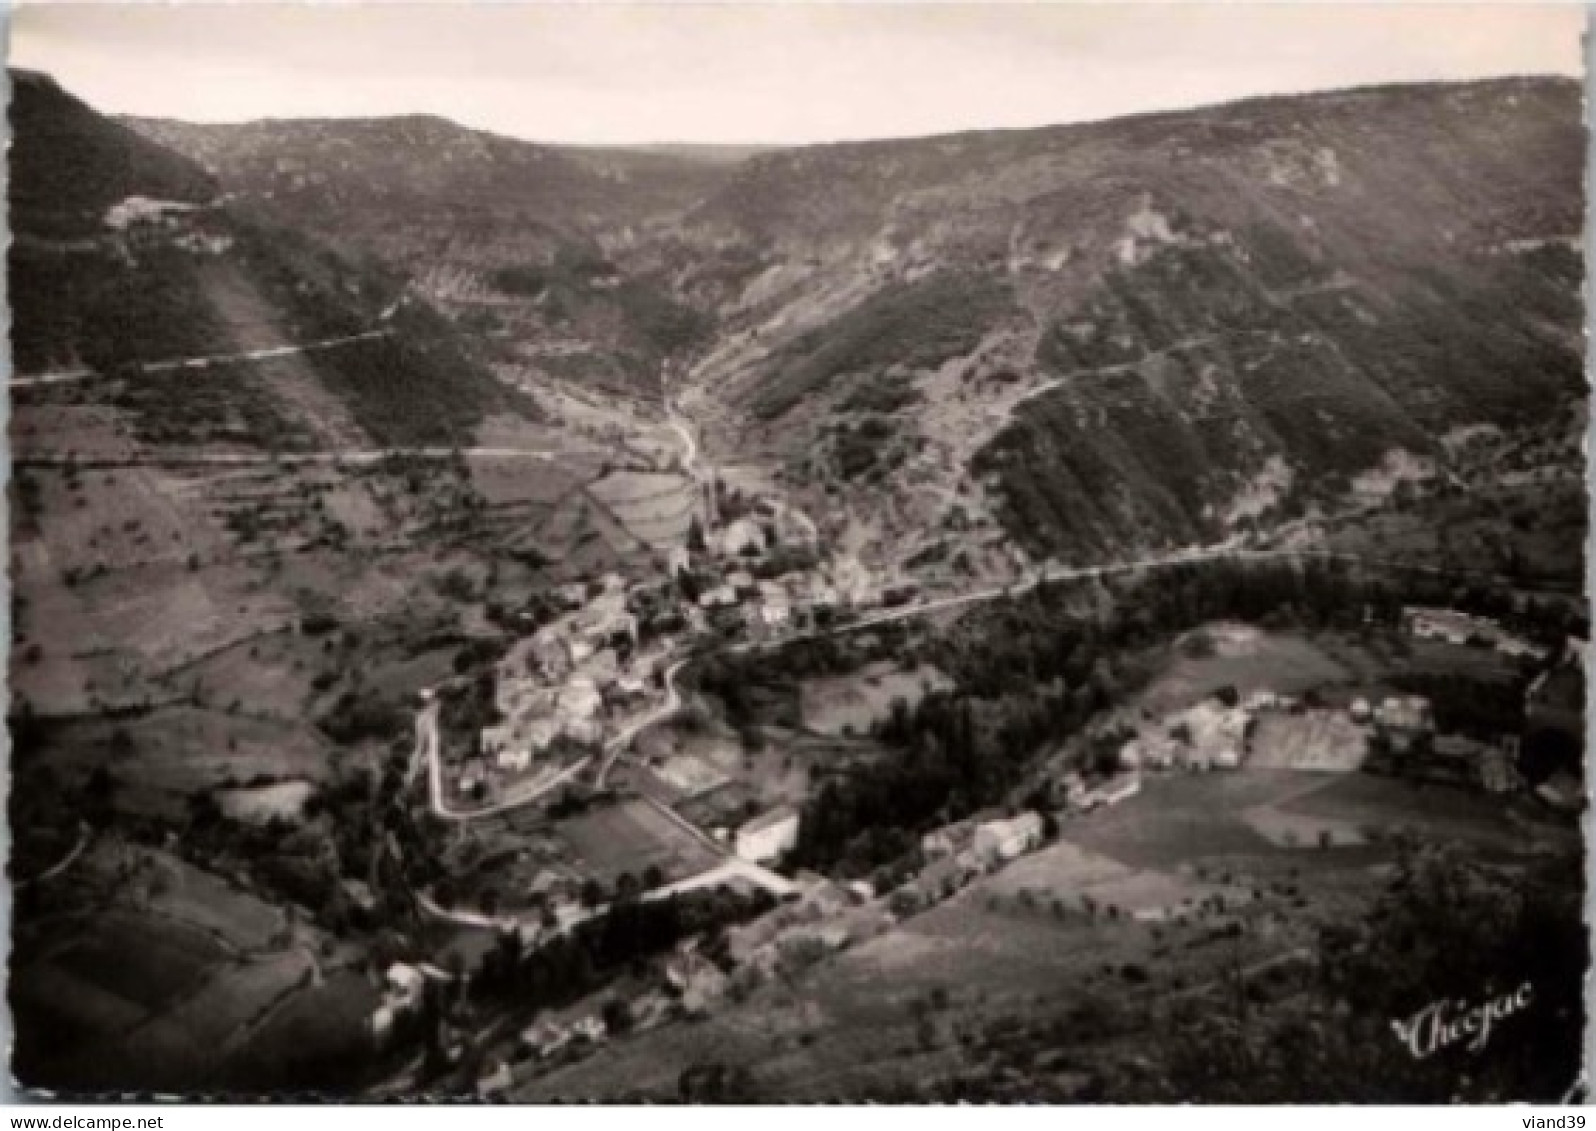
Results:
173 365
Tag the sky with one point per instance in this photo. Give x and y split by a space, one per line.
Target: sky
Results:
764 73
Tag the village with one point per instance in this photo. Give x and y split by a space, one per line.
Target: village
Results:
598 666
1335 731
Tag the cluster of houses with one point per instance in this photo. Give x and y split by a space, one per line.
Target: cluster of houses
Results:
732 599
570 680
1456 627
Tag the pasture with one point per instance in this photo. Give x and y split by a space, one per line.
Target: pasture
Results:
1245 658
655 507
1325 741
149 969
852 704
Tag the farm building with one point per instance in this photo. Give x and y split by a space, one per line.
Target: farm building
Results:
142 209
1456 627
495 1081
1405 716
767 836
698 980
1360 710
774 614
1113 791
521 696
1556 701
579 700
402 990
550 653
720 597
1562 791
514 759
1004 840
793 528
820 592
601 668
606 619
1152 751
1498 774
947 840
545 1038
403 986
1261 700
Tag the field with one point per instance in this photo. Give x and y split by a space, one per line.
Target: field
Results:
149 970
852 704
1328 741
162 757
628 838
778 770
655 508
1247 659
260 804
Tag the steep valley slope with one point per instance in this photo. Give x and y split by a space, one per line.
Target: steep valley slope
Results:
522 242
1154 331
1073 343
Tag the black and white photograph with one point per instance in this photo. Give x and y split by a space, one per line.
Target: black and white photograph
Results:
778 553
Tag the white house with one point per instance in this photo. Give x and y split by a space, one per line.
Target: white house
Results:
580 699
742 537
1004 840
720 597
402 990
767 836
1114 790
403 986
514 759
495 1082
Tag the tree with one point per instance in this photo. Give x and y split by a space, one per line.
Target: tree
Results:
617 1016
99 797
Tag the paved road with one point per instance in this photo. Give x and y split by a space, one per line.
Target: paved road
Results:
1179 557
730 869
175 364
50 873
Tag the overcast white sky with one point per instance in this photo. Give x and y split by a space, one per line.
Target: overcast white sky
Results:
776 73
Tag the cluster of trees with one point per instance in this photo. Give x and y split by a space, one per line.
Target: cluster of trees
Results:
914 325
360 714
1464 704
574 964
